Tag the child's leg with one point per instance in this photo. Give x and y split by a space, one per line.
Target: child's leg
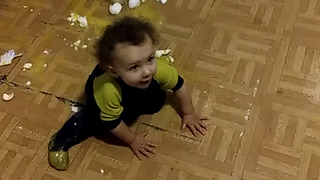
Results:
76 129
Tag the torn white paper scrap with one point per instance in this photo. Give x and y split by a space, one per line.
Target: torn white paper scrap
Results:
7 57
7 97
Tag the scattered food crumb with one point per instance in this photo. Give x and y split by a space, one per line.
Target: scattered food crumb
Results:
77 43
31 10
76 48
89 39
28 83
25 7
7 97
45 65
27 66
171 59
84 46
64 39
74 109
19 127
45 52
72 24
101 171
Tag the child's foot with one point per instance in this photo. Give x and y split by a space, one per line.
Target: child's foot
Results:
57 159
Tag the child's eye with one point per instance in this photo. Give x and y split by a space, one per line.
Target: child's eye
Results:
151 59
133 67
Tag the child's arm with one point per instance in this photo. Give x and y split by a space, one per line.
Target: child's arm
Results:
137 142
189 118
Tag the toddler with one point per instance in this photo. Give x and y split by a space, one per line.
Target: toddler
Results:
128 81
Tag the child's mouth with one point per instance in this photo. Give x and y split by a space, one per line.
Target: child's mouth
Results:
145 82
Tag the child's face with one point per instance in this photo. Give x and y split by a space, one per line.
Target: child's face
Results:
135 65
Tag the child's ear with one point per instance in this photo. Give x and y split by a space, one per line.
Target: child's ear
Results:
112 71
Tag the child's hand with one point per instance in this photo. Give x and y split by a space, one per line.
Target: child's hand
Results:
194 123
142 147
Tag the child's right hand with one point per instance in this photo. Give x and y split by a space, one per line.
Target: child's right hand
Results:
142 147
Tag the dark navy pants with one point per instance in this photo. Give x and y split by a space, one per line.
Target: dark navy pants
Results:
87 122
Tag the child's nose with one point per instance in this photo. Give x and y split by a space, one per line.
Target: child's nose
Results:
146 72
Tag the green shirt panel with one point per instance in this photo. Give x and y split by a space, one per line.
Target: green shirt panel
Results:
166 75
107 93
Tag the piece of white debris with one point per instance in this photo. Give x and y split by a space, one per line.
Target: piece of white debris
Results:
19 127
84 46
64 39
73 17
31 10
143 0
171 59
83 22
77 43
163 1
25 7
7 97
76 48
134 3
115 8
45 65
8 56
27 66
45 52
89 39
101 171
163 52
74 109
28 83
75 123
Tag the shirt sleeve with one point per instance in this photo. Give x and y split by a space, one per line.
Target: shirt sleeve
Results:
108 97
166 75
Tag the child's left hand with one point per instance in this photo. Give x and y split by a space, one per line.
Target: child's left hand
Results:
194 123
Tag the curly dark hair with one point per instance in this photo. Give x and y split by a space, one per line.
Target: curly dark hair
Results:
127 29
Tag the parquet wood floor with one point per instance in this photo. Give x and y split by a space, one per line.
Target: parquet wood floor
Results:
252 66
